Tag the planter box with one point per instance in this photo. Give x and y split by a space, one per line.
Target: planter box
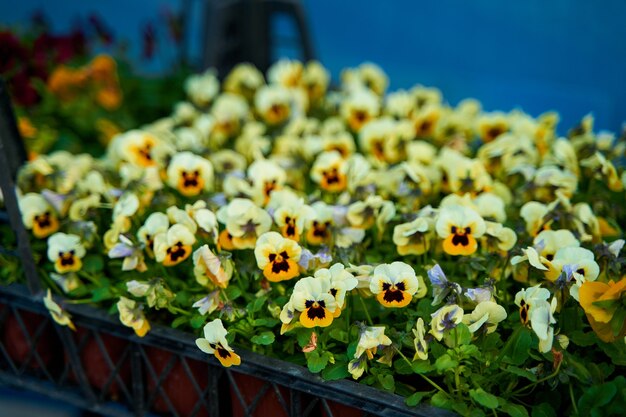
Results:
165 372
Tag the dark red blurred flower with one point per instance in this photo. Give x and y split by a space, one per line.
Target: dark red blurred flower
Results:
12 52
22 90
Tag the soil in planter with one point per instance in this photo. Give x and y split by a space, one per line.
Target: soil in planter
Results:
18 341
177 385
268 405
96 366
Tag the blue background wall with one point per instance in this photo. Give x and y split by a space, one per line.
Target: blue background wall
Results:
566 55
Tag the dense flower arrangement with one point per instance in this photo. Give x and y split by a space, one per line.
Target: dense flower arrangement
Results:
467 258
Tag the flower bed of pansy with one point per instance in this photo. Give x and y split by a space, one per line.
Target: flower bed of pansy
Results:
465 258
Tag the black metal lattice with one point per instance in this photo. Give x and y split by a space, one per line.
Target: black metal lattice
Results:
104 367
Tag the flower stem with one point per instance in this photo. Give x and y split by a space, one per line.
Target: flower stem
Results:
571 395
539 381
367 314
427 379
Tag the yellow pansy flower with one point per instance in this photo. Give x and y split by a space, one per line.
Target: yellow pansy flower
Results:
214 342
38 215
459 227
312 297
66 251
190 174
277 257
329 171
173 246
394 284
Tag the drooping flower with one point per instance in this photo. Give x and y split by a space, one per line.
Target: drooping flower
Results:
211 268
419 341
59 315
66 251
38 215
446 318
174 246
156 292
370 339
312 297
459 227
487 315
214 342
190 174
442 287
131 315
131 252
208 304
277 257
536 310
394 284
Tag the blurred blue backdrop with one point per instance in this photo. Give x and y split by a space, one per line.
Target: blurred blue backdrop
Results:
538 55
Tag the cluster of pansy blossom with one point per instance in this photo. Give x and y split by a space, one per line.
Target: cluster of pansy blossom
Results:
295 218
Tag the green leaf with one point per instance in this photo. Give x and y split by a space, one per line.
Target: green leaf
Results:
416 398
520 372
264 338
102 293
543 410
183 297
580 338
340 335
93 263
441 400
387 382
606 304
178 321
458 336
483 398
265 322
197 321
579 369
617 322
338 370
514 410
517 348
316 362
258 304
596 397
422 367
445 362
402 367
233 292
